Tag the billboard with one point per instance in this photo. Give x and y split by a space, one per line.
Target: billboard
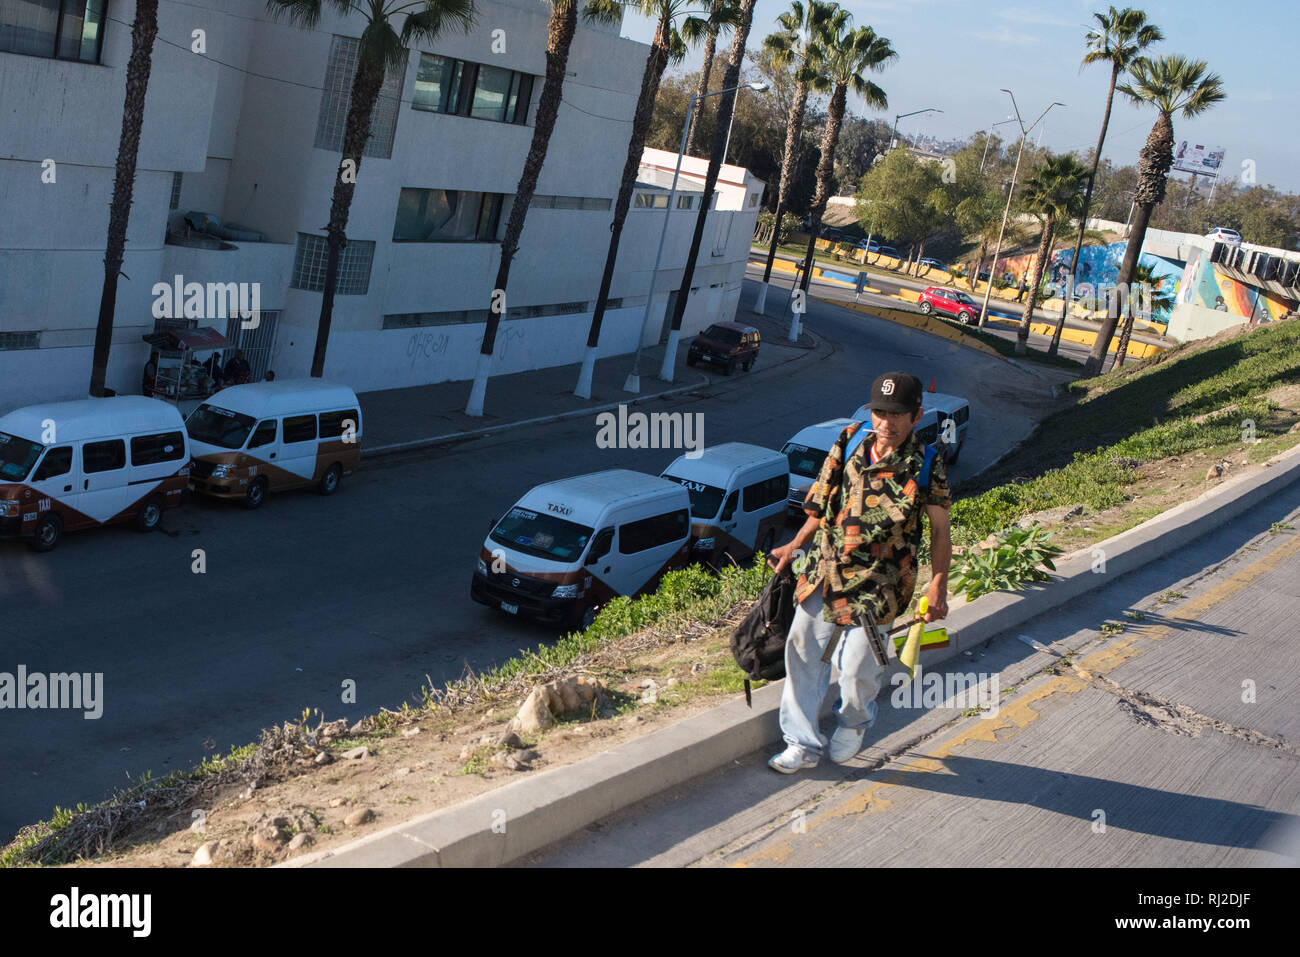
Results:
1191 157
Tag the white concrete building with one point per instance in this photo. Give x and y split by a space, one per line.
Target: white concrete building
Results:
243 123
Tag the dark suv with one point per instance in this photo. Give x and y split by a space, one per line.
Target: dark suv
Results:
729 344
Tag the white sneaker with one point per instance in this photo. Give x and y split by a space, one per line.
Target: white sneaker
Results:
793 759
847 742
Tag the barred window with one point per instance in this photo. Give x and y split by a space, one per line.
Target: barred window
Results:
354 265
337 97
19 340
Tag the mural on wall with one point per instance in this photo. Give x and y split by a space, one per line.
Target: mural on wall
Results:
1098 271
1217 291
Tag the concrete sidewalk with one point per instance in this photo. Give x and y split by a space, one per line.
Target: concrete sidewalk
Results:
427 415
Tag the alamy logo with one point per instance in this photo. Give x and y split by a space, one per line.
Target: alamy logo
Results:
76 909
654 430
56 690
215 300
955 690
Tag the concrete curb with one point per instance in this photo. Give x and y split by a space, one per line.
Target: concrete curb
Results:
539 809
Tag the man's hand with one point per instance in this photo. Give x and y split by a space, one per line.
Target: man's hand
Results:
783 556
937 593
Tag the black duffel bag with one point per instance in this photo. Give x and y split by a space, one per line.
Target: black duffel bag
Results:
758 643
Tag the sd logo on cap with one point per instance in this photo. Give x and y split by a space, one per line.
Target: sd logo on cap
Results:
896 392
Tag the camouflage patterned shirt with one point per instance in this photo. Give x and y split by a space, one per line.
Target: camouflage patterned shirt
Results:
863 554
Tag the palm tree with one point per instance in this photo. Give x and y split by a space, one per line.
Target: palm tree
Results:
138 67
669 43
980 216
1120 37
847 56
1155 300
559 38
1172 84
797 47
1054 193
382 49
706 71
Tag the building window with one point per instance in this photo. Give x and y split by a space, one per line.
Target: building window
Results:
354 265
337 97
10 341
62 29
569 202
176 191
753 199
407 320
447 85
447 216
650 201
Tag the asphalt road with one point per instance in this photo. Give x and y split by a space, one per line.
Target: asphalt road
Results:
372 584
1182 755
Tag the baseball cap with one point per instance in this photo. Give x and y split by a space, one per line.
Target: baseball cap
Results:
896 392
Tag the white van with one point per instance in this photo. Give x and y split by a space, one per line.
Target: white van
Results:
72 465
804 454
567 547
933 429
738 498
248 440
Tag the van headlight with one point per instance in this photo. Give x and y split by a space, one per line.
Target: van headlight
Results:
8 508
482 567
704 544
221 471
567 591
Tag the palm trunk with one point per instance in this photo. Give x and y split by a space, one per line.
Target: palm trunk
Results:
1040 262
1083 217
563 24
702 87
825 170
143 32
979 266
1154 161
920 254
365 91
655 65
740 34
1121 351
793 134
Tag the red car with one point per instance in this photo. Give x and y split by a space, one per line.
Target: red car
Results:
951 303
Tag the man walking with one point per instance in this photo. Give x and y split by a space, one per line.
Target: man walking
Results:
864 522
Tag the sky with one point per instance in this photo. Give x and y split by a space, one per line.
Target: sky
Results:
955 55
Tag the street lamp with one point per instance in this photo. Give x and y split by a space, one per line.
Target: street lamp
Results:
633 382
893 140
989 136
997 250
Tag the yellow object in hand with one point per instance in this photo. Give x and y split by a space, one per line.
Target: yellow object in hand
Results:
912 647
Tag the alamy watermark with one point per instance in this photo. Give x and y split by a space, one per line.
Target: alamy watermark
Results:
651 430
955 689
58 690
214 300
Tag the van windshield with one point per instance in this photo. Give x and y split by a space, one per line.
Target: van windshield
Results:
803 460
705 499
218 426
17 456
544 536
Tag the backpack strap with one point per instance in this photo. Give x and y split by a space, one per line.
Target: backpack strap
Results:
924 480
854 442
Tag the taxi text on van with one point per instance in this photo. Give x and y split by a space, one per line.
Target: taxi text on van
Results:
248 440
738 499
567 547
73 465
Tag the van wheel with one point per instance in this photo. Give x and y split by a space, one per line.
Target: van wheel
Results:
730 367
329 483
256 493
48 531
749 362
691 360
149 517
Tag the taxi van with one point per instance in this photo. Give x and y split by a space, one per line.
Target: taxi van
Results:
248 440
804 455
738 499
89 462
939 409
567 547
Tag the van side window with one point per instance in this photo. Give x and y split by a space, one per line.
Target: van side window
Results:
765 493
653 532
152 449
264 434
331 423
600 545
56 462
103 456
729 507
299 428
927 435
963 415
